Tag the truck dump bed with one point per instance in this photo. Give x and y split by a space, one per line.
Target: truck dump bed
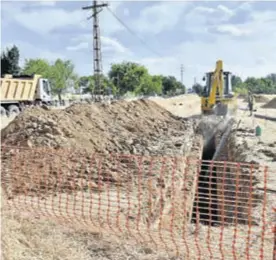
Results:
18 89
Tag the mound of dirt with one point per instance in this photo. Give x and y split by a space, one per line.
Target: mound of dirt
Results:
270 104
73 147
123 127
258 99
242 96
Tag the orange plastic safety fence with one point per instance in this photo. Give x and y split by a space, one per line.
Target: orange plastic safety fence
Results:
197 209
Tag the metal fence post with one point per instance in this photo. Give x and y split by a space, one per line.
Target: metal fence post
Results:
274 231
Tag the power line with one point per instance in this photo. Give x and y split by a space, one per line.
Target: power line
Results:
133 33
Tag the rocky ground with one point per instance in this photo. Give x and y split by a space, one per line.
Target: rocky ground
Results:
139 128
119 128
257 149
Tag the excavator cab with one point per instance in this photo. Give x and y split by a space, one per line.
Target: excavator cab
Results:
217 93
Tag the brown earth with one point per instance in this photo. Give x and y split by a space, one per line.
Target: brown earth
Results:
122 127
70 150
258 99
66 148
23 237
270 104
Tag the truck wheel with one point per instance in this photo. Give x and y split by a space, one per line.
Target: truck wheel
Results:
13 110
3 111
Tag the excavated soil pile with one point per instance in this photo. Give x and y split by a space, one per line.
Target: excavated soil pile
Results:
139 127
258 99
75 148
270 104
242 96
261 99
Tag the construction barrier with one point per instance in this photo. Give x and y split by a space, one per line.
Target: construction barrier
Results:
190 208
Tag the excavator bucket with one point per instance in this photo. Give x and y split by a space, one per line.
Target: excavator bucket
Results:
221 110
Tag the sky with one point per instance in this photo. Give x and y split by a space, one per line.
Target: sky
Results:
165 35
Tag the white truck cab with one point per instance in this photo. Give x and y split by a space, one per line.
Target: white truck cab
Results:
43 91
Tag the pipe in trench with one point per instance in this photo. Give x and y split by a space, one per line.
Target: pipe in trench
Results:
223 140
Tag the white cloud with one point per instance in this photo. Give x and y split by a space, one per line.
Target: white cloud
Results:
47 3
246 5
247 49
79 47
225 10
113 45
204 9
232 30
159 17
126 12
30 51
199 18
240 57
261 61
43 21
84 42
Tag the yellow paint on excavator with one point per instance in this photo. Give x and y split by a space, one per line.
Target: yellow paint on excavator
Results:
214 98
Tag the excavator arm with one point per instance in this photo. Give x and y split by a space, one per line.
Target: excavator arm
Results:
216 91
216 97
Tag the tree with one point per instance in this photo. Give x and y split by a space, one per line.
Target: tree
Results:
10 61
37 66
150 85
181 89
272 77
61 73
124 77
236 82
198 89
127 76
87 84
264 85
171 85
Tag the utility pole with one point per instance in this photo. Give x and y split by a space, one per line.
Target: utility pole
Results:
181 73
97 56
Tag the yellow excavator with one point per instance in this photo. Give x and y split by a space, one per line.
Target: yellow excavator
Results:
217 94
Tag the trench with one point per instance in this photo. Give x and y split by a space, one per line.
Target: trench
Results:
221 196
205 203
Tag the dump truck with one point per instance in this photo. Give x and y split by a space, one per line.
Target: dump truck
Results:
217 94
18 92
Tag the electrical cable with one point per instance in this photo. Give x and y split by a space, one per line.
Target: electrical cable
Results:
133 33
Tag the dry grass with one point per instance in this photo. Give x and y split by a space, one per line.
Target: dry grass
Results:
33 239
28 239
